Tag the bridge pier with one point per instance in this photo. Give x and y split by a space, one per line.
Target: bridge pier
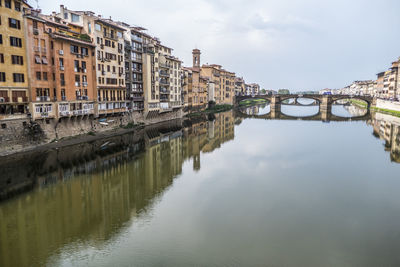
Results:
325 107
275 107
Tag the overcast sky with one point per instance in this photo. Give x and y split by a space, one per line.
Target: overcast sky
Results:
295 44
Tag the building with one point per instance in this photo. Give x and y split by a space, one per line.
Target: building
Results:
240 86
108 37
134 67
13 64
252 89
163 78
195 87
224 82
61 63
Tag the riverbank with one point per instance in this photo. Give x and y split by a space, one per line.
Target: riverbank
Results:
364 105
252 102
25 134
215 109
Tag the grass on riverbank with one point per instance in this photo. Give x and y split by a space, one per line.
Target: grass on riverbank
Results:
215 109
251 102
362 104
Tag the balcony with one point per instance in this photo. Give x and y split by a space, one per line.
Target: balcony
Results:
137 49
40 99
164 82
164 73
64 113
137 59
63 98
110 36
137 70
165 66
164 91
138 98
4 99
137 80
136 38
84 84
83 97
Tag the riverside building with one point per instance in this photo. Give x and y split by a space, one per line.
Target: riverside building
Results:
61 63
14 88
108 37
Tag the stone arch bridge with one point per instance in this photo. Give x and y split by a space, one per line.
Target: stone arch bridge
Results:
325 103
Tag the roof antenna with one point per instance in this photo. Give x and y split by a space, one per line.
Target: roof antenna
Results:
37 4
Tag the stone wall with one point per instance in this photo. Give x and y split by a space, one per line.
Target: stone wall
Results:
16 135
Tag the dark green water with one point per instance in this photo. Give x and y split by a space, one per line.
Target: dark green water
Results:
233 192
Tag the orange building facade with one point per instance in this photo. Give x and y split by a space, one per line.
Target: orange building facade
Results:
61 73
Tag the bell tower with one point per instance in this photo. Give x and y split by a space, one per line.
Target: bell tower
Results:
196 58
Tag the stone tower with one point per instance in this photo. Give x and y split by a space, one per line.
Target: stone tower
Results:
196 58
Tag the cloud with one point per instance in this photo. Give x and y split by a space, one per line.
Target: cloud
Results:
297 44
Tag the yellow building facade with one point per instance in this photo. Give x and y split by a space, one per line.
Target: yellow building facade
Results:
13 64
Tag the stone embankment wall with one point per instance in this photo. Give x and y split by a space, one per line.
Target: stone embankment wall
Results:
17 135
384 104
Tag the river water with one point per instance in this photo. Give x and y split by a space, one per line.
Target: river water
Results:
226 192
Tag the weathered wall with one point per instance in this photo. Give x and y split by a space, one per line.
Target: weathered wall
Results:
21 134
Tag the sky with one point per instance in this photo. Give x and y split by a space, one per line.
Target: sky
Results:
295 44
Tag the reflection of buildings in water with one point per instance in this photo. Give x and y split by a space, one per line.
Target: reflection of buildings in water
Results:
387 128
253 110
206 136
354 110
87 193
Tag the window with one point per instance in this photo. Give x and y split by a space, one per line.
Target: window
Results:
38 75
37 59
62 79
44 76
7 3
17 6
75 18
17 60
2 76
119 34
61 62
76 65
1 58
65 15
14 41
14 23
85 51
18 77
90 27
97 27
1 39
83 63
44 61
74 49
51 45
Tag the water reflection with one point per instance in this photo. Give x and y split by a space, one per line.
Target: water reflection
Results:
387 128
89 193
94 196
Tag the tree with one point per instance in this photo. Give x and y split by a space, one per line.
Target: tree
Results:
283 92
263 91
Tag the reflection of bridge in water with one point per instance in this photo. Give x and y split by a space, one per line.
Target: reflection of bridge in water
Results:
324 115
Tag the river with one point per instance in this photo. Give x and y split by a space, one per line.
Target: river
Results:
232 191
